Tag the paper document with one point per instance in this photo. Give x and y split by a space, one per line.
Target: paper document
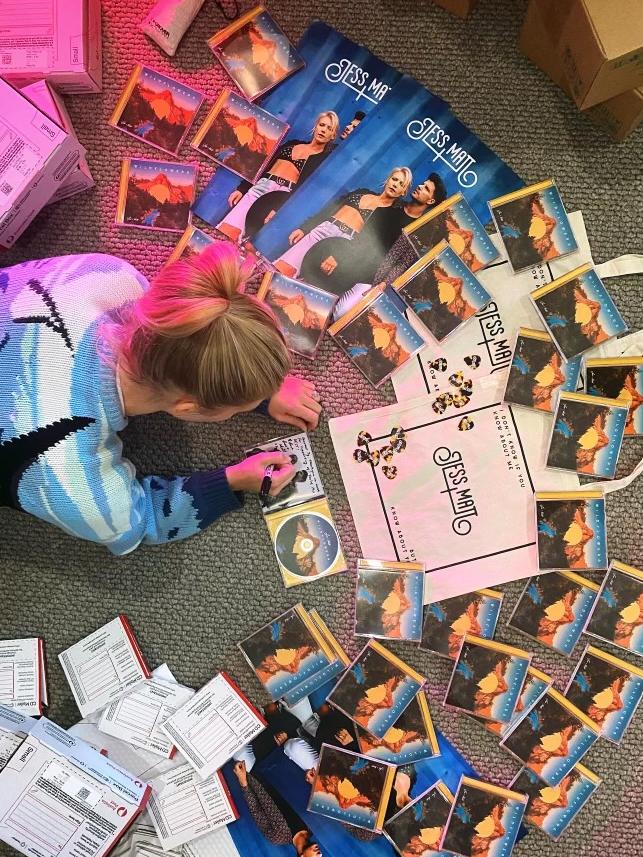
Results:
183 806
60 798
14 728
213 725
104 666
137 716
22 675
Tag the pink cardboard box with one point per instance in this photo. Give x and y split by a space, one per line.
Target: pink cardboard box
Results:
36 157
56 39
45 97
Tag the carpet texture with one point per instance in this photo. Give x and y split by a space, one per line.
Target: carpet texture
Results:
191 602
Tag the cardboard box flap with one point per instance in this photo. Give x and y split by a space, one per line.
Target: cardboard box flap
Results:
89 760
617 25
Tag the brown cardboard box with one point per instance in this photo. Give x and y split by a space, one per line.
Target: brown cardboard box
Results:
461 8
601 46
619 115
58 41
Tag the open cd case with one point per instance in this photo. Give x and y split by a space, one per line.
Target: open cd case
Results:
299 520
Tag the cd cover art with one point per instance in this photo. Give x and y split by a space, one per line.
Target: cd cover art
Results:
617 617
487 679
410 739
441 291
553 609
239 135
255 52
453 221
156 109
286 651
551 737
618 378
306 484
587 434
156 194
376 689
484 820
376 336
303 311
351 788
535 685
533 225
553 808
447 622
578 311
388 600
538 372
416 829
607 689
572 530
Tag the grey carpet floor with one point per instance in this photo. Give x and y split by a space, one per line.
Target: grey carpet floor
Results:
191 602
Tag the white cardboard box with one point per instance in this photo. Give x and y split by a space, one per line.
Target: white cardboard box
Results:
60 796
36 157
56 39
45 97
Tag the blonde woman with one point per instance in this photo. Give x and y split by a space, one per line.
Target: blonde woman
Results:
86 343
293 162
343 219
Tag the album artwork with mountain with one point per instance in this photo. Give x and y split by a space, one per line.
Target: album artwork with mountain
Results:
156 194
410 739
617 617
351 788
239 135
156 109
487 679
446 622
572 530
554 608
416 829
587 433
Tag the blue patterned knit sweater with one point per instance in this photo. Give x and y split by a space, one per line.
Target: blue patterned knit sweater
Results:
60 411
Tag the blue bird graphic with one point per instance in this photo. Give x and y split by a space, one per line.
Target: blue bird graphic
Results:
222 154
151 217
463 814
358 765
423 306
464 670
418 811
358 672
508 231
365 594
275 631
438 612
357 351
534 720
608 598
520 364
546 529
534 594
564 428
582 683
143 129
556 321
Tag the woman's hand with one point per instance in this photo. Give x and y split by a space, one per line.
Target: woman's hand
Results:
296 403
241 774
234 197
296 236
328 265
248 474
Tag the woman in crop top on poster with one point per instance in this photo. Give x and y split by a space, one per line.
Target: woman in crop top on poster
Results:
343 219
293 162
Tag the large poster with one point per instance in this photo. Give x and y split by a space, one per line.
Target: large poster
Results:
411 153
458 494
324 104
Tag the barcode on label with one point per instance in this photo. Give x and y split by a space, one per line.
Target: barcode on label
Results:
83 794
5 188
